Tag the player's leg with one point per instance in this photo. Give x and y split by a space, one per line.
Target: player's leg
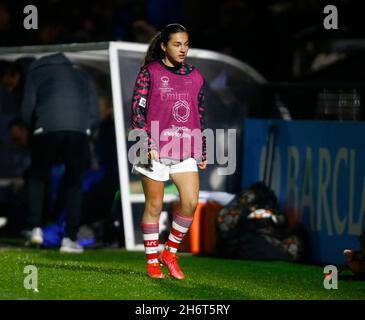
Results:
41 154
74 148
187 184
154 192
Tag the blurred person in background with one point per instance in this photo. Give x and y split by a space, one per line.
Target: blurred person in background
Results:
60 107
170 92
12 81
106 140
99 199
99 206
19 135
12 76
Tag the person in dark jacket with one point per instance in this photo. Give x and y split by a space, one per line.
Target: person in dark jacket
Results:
60 106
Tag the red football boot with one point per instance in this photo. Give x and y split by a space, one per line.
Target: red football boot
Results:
154 271
169 260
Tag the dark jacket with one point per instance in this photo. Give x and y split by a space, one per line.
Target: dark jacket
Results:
59 97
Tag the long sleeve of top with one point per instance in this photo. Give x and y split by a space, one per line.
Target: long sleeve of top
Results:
139 105
201 109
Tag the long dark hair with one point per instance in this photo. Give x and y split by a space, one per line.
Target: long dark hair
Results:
154 51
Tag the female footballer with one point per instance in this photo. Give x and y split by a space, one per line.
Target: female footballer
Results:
169 99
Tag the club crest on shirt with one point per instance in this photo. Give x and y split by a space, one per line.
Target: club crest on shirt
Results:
181 111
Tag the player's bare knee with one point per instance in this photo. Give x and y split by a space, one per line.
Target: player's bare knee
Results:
189 207
153 209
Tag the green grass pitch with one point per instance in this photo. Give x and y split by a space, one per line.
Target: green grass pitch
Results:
119 274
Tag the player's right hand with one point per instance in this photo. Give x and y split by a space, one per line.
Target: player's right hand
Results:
152 155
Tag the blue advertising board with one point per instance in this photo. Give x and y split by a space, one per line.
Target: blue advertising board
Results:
319 177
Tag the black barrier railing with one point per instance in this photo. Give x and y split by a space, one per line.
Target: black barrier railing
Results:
308 101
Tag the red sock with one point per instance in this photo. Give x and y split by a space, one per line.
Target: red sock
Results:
180 226
150 239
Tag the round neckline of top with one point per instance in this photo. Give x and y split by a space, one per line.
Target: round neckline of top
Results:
171 68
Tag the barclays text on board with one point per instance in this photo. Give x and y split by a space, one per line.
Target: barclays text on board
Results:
314 185
318 174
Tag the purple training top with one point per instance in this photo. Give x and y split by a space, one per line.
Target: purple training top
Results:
168 105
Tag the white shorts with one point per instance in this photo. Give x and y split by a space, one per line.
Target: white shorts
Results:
162 172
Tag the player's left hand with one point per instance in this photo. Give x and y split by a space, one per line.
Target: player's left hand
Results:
202 165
